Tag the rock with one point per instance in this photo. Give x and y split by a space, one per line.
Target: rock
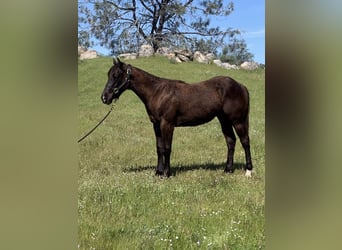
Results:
83 53
128 56
184 55
81 50
210 56
229 66
183 52
249 65
183 58
225 65
175 59
146 50
199 57
233 66
164 51
89 54
218 62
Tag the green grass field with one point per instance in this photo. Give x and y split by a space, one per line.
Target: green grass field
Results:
123 205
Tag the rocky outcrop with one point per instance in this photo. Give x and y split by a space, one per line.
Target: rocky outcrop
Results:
225 65
167 52
83 53
185 55
128 56
249 65
146 50
199 57
175 59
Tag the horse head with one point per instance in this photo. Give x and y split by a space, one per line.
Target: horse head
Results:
118 81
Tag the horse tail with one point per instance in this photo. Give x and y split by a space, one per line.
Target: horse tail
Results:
246 118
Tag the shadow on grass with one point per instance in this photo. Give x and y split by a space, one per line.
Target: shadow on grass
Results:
184 168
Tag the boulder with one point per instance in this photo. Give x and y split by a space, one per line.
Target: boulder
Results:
146 50
175 59
81 50
229 66
164 51
184 55
199 57
128 56
218 62
89 54
233 66
210 56
249 65
183 58
225 65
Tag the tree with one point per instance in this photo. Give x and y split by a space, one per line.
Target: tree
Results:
236 52
205 46
122 25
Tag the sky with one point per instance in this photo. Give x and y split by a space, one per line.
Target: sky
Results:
248 17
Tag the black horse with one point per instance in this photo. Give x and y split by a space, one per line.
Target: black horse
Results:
173 103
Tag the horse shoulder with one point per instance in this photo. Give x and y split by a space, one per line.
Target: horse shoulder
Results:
163 103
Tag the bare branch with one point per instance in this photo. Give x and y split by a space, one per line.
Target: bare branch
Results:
146 7
119 7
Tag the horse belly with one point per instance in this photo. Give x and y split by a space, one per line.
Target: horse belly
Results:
198 108
191 119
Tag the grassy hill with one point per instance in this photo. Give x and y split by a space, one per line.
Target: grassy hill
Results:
123 205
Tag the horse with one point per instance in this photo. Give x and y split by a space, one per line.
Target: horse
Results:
175 103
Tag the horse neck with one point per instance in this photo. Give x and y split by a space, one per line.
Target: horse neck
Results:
142 84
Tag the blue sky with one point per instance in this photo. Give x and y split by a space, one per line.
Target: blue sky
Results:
249 17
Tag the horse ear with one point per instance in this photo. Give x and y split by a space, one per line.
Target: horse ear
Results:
129 69
114 61
119 60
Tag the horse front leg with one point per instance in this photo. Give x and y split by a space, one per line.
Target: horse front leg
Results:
160 149
167 134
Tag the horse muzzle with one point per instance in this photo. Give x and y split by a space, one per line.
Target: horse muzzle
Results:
106 100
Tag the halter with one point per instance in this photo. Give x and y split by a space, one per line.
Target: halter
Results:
126 81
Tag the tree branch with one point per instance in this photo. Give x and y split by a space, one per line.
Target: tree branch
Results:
136 22
145 6
119 7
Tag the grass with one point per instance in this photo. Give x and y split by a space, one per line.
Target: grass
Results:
123 205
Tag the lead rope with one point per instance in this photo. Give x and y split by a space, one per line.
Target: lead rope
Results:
91 131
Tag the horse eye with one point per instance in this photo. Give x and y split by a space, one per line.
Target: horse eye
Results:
114 75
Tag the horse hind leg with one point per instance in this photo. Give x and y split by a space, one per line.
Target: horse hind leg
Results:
229 135
242 131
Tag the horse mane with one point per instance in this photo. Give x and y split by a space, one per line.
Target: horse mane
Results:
171 81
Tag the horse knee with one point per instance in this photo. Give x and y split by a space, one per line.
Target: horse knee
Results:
160 150
231 143
245 141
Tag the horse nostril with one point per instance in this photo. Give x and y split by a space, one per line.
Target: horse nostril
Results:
103 98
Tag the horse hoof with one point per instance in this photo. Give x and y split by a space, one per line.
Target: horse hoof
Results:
248 173
228 170
159 173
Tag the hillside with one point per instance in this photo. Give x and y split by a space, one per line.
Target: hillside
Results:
123 205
